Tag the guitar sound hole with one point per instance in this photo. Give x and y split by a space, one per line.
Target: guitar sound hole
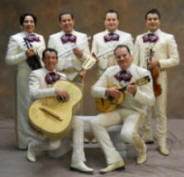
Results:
111 98
59 99
102 100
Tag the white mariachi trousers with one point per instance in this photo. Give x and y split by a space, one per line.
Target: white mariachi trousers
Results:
160 109
131 122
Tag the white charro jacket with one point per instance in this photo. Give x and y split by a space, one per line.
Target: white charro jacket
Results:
165 50
68 63
37 85
17 48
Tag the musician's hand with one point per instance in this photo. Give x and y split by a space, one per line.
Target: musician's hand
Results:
153 64
30 52
94 55
132 89
78 53
82 74
113 92
63 94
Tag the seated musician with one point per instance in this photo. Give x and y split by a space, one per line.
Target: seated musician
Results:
130 113
40 85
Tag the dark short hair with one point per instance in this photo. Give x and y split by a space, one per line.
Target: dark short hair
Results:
49 50
22 17
152 11
121 46
112 11
65 13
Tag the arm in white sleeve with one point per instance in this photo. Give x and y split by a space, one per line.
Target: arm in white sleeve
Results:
41 49
145 94
98 90
130 44
51 43
13 55
173 55
34 87
85 51
136 54
94 48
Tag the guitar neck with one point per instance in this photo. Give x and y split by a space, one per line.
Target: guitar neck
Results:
122 89
139 82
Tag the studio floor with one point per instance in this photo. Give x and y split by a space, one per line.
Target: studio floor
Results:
13 162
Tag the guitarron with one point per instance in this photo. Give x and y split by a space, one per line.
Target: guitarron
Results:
50 116
109 104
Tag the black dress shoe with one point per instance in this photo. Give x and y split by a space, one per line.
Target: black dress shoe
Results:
149 142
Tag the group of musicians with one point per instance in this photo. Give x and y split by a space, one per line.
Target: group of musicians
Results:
119 61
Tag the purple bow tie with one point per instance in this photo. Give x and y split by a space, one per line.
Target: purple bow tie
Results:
111 37
150 37
32 38
68 38
52 77
123 76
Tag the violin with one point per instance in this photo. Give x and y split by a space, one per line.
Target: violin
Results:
155 74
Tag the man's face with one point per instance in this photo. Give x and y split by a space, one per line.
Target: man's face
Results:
123 58
111 22
28 24
50 60
67 23
152 22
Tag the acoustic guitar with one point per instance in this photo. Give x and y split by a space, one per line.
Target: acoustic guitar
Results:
52 117
109 104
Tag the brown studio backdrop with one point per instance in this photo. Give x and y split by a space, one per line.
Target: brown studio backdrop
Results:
89 16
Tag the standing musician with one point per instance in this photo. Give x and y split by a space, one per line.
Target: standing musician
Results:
19 54
130 113
161 49
105 42
72 47
40 85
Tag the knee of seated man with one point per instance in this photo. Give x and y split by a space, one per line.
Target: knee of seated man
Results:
54 145
126 136
95 122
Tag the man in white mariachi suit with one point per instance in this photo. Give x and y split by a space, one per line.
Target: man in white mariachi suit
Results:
105 42
72 47
40 85
130 113
164 55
